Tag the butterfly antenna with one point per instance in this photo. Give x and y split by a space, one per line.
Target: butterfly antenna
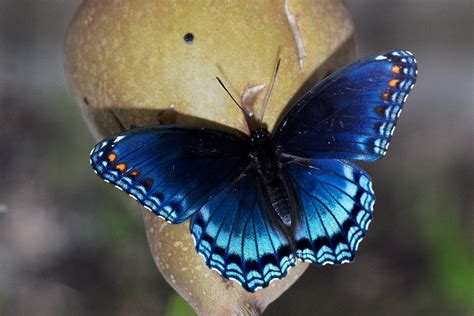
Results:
267 97
237 103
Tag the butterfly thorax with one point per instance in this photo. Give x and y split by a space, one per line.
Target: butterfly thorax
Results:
268 167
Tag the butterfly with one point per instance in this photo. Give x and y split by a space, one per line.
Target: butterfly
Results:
259 202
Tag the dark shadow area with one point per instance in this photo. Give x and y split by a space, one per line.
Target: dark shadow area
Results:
125 119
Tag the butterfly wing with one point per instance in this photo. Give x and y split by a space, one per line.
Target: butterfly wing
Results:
352 113
335 201
239 236
171 170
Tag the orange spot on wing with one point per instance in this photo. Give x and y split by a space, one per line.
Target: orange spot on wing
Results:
111 157
396 69
147 183
380 110
393 83
385 95
133 174
121 167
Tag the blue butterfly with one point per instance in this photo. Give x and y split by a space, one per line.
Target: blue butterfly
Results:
257 203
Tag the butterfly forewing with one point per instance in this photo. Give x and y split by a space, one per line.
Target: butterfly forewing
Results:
351 114
171 170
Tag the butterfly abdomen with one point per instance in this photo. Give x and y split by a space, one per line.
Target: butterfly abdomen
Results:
269 170
279 198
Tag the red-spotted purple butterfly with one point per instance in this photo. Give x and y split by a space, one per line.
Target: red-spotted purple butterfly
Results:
258 202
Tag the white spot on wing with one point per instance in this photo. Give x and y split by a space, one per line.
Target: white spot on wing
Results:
367 225
119 138
358 243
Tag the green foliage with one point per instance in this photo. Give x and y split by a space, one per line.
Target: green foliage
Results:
118 226
177 306
452 262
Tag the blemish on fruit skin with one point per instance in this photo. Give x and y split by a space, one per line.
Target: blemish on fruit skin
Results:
300 49
188 38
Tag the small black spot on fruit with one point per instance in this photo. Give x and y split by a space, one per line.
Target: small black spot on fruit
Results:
189 38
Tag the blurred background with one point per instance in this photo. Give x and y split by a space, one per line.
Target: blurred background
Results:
64 249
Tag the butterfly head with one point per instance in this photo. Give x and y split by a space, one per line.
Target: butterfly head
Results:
259 134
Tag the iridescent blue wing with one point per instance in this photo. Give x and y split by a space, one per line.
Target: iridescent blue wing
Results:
335 200
173 170
352 113
239 236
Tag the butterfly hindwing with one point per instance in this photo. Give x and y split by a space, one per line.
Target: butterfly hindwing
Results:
170 170
335 201
239 236
352 113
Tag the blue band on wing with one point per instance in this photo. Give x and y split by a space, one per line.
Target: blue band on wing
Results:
239 236
336 202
